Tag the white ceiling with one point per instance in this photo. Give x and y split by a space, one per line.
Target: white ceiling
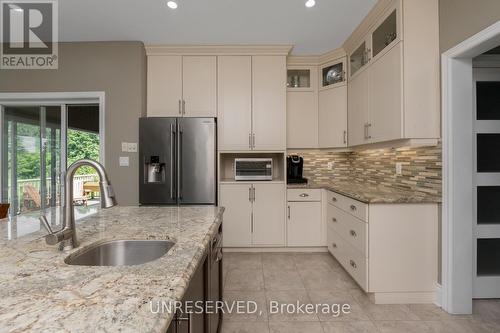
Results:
312 30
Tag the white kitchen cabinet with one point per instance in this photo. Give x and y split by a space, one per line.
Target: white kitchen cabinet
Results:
268 215
269 102
386 96
394 88
304 224
199 86
358 104
258 124
255 214
164 90
236 198
235 102
390 250
333 117
181 86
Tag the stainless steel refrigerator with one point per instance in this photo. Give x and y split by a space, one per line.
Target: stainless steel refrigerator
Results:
177 161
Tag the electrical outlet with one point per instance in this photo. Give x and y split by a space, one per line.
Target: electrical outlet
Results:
399 168
330 165
124 161
132 147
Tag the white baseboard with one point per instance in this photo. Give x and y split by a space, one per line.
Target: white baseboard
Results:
318 249
439 295
403 298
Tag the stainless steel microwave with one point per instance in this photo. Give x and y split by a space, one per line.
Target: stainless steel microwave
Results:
253 169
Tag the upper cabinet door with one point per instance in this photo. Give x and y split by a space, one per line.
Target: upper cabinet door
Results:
359 58
333 117
358 104
164 91
199 86
269 102
235 102
332 74
386 96
387 31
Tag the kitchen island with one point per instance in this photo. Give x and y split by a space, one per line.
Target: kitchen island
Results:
39 292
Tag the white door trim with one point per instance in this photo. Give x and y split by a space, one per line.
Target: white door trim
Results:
457 104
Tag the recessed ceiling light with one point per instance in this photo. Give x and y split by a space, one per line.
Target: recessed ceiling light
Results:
310 3
173 4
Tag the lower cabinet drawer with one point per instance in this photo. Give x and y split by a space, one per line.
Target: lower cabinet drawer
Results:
353 261
349 227
353 207
294 194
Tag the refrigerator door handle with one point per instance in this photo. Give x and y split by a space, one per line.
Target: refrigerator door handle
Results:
172 159
179 162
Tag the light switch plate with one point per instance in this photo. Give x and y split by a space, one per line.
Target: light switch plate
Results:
124 161
124 146
330 165
132 147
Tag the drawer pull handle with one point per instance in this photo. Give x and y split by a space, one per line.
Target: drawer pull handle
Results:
334 220
334 199
334 245
353 233
304 195
353 264
353 208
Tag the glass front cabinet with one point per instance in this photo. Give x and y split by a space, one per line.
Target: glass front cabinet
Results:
332 74
385 34
298 79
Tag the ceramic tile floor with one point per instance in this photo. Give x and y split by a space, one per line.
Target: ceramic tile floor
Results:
318 278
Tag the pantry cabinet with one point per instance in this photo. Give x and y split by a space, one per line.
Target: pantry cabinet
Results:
394 73
181 86
252 103
254 215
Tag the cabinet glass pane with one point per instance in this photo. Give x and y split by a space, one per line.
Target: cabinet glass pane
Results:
488 256
488 153
488 208
488 100
385 33
358 58
333 74
298 78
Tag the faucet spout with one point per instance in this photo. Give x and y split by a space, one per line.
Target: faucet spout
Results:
68 230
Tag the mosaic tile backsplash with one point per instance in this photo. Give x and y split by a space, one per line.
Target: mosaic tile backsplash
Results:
421 167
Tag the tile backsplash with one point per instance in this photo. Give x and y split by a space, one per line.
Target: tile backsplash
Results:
421 167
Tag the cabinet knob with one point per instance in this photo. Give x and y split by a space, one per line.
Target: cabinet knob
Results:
353 264
353 233
304 195
334 220
353 208
334 199
334 245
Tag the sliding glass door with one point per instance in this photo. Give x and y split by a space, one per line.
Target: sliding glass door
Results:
37 144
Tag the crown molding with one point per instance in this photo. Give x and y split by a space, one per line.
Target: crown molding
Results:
359 33
215 49
316 60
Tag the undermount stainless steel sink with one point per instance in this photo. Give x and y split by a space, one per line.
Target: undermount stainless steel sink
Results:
120 253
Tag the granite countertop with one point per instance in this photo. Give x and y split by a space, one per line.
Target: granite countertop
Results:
40 293
372 193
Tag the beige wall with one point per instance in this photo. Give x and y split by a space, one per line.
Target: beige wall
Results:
118 69
460 19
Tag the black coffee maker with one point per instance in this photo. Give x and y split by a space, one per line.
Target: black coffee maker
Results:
294 168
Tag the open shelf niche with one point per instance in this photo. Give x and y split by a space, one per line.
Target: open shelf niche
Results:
226 166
